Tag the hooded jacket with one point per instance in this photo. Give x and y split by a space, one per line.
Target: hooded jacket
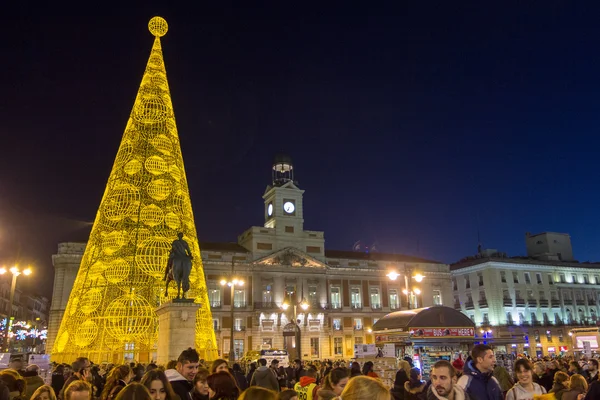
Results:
181 386
415 393
518 392
558 389
459 394
265 377
308 387
478 385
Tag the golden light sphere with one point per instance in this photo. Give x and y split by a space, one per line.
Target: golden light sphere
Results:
158 26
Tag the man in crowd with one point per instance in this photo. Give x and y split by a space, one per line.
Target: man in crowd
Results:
307 386
78 390
477 380
592 370
81 372
265 377
443 383
182 377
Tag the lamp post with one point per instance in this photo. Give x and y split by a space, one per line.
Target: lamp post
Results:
15 273
232 284
304 305
407 290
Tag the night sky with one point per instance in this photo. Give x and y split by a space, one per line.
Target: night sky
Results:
412 127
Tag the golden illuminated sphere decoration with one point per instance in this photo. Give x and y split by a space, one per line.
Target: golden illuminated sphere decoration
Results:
110 314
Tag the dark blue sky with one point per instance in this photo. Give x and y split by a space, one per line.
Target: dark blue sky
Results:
404 123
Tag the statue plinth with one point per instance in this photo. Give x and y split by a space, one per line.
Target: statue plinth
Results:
176 328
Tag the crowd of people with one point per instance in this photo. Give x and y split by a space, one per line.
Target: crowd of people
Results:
189 378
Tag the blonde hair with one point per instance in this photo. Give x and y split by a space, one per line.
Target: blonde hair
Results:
14 381
365 388
78 386
258 393
44 389
404 365
578 381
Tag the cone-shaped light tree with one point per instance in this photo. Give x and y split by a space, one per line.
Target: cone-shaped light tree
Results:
110 314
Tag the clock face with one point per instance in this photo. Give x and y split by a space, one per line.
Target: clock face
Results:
270 209
288 207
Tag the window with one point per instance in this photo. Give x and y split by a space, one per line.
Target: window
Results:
596 282
586 279
267 294
522 318
238 348
355 297
542 296
237 324
454 285
509 318
515 277
518 294
567 296
538 278
314 347
530 295
437 297
557 319
214 297
239 298
358 340
550 279
375 298
480 279
268 342
467 282
337 324
290 289
335 297
553 295
358 323
562 278
546 319
337 346
394 300
559 333
472 317
216 324
533 318
527 278
536 333
482 296
574 278
469 298
456 301
486 319
312 295
503 276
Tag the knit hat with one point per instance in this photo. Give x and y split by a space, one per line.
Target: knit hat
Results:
459 364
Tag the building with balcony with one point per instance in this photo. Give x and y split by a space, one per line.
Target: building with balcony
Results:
528 304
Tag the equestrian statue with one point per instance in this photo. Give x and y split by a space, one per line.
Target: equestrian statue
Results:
179 267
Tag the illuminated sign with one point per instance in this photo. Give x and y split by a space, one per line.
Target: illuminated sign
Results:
563 348
551 349
592 339
442 332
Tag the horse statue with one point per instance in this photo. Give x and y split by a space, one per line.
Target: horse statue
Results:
179 267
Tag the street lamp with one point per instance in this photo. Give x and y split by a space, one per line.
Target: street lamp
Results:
393 275
15 271
232 284
304 305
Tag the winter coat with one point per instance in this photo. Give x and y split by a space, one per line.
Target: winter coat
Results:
264 377
572 394
181 386
33 381
558 390
518 392
544 381
397 390
593 391
478 385
241 381
504 379
415 393
459 394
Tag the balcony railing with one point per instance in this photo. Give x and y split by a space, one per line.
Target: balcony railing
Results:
483 303
520 302
568 302
239 328
337 327
580 302
356 306
394 306
239 304
334 306
215 304
376 306
469 305
359 328
267 306
507 302
555 303
543 303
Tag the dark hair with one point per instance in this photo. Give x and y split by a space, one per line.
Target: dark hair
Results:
445 364
522 363
297 361
594 361
224 386
334 377
113 385
274 361
134 391
414 380
188 356
262 362
560 377
172 364
158 375
201 375
79 364
151 366
575 364
367 367
311 372
216 363
355 368
479 350
236 367
287 394
13 380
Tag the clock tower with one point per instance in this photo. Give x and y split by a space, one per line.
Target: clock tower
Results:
284 218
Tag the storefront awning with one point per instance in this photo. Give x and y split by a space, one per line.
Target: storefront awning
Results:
428 317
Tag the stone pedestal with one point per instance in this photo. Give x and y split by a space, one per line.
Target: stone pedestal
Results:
176 329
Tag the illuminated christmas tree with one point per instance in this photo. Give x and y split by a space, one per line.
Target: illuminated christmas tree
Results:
110 314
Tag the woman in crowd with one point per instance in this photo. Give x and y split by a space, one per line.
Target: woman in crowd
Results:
44 392
333 384
239 376
15 383
368 370
200 391
365 388
219 365
117 379
222 386
525 388
414 388
258 393
402 375
355 369
58 378
158 385
134 391
577 385
560 384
